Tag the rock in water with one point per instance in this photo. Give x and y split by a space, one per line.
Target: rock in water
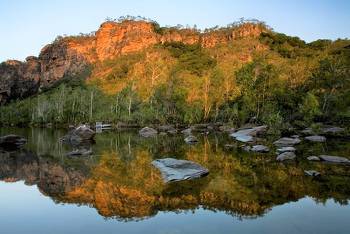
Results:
246 135
286 141
260 149
316 138
78 152
191 139
148 132
80 134
333 131
187 131
12 141
312 173
286 149
313 158
334 159
286 156
177 170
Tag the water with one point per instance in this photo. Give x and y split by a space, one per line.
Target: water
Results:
116 190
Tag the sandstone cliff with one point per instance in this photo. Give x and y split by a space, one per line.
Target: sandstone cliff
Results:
70 55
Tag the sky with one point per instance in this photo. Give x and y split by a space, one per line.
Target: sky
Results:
28 25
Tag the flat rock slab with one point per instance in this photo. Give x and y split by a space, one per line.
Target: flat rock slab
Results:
286 149
316 138
177 170
148 132
260 148
246 135
286 156
287 141
334 159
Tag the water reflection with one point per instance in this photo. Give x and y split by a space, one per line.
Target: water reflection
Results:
120 182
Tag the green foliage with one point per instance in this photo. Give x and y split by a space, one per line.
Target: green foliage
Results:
191 57
310 107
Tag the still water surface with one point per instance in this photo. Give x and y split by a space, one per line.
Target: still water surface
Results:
116 190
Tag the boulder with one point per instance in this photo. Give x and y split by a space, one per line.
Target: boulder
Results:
333 131
248 134
148 132
12 141
191 139
313 158
315 138
177 170
286 156
312 173
80 152
80 134
187 131
286 149
334 159
286 141
260 149
167 128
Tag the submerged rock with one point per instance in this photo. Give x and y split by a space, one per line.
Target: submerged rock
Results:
286 149
316 138
177 170
148 132
334 159
312 173
287 141
260 149
313 158
12 141
286 156
191 139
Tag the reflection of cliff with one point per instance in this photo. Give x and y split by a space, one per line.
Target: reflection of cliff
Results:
124 185
51 177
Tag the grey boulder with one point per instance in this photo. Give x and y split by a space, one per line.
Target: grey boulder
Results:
148 132
286 149
312 173
248 134
286 156
177 170
80 134
315 138
191 139
287 141
260 149
334 159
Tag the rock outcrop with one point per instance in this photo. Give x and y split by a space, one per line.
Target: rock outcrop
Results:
70 56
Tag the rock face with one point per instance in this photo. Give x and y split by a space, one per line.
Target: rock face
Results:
177 170
316 138
148 132
286 156
79 135
248 134
286 141
70 56
12 141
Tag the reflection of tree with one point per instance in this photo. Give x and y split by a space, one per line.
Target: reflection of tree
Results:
121 183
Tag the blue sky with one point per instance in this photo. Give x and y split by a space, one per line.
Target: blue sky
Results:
26 26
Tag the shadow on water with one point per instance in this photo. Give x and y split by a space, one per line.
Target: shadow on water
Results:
120 182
